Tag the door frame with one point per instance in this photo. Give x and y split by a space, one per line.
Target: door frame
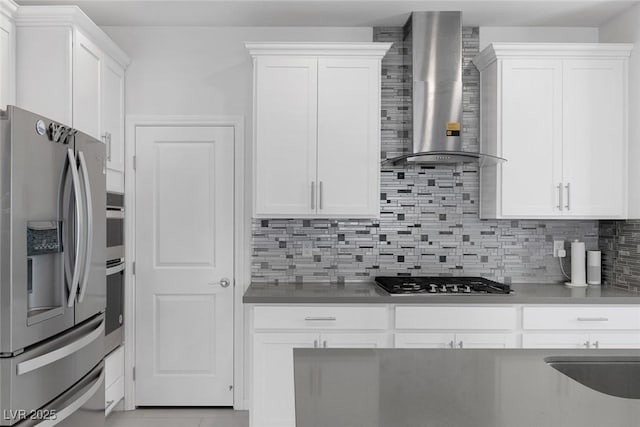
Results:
242 234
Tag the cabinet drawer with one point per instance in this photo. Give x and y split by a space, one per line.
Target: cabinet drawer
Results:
320 317
580 318
491 318
113 394
113 366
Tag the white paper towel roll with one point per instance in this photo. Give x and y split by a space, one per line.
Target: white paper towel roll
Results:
594 267
578 264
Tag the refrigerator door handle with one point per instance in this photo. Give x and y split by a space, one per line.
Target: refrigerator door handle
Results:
60 353
89 238
75 178
67 411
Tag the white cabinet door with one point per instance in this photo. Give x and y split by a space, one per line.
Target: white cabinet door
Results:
273 400
565 340
615 340
485 340
531 137
286 91
113 122
348 137
354 340
7 62
594 138
424 340
87 68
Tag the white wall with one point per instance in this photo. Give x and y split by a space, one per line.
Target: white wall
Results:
202 70
206 71
625 28
537 34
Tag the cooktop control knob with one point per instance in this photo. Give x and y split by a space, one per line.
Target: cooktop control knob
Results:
455 289
443 288
433 289
467 289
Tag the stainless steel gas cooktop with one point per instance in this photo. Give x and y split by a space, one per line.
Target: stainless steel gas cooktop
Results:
442 286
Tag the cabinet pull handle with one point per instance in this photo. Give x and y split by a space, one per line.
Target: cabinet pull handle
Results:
586 344
460 344
313 194
559 188
568 187
593 319
451 344
315 343
321 195
324 344
596 344
320 318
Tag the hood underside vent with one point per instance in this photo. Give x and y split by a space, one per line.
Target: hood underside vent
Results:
434 41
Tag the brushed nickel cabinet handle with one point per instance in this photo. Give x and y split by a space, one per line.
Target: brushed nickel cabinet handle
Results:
596 344
320 318
593 319
451 344
321 195
460 344
586 344
313 194
568 187
559 188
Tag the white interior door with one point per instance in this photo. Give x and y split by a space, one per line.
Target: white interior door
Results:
184 248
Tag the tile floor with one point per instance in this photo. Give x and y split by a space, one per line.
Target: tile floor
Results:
195 417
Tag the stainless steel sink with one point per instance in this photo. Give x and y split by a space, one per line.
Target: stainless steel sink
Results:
615 376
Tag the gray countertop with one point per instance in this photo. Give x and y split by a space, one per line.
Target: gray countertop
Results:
370 293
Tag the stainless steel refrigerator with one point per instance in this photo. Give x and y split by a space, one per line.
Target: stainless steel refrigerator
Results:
52 273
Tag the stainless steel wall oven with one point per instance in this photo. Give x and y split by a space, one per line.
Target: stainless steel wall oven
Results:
114 318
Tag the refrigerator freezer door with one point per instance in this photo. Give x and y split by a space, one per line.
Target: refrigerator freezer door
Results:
81 406
45 371
34 222
92 295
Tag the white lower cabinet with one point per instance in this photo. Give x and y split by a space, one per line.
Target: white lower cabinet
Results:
273 401
581 340
114 379
458 340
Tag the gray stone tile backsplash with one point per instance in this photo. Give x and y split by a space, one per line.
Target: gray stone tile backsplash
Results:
429 221
620 246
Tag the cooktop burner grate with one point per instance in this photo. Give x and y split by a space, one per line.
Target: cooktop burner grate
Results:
442 286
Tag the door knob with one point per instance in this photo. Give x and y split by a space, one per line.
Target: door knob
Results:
224 282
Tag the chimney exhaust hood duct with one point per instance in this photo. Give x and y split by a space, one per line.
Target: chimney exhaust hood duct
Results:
435 43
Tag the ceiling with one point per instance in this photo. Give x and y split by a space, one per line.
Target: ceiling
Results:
340 13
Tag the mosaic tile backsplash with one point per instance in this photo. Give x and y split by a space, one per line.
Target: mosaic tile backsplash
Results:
620 246
429 221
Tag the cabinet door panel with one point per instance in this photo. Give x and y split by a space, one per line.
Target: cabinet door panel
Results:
424 340
348 137
354 340
594 138
87 68
615 340
273 401
555 341
113 112
531 137
485 341
7 62
285 136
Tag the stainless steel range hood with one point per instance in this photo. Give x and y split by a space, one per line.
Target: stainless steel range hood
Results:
435 43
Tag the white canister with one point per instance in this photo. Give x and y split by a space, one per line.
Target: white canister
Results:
578 261
594 264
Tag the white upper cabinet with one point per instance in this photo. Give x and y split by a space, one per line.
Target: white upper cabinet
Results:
83 85
317 129
112 124
7 53
558 114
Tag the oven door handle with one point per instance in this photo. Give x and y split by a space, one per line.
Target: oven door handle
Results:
115 269
53 356
111 214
